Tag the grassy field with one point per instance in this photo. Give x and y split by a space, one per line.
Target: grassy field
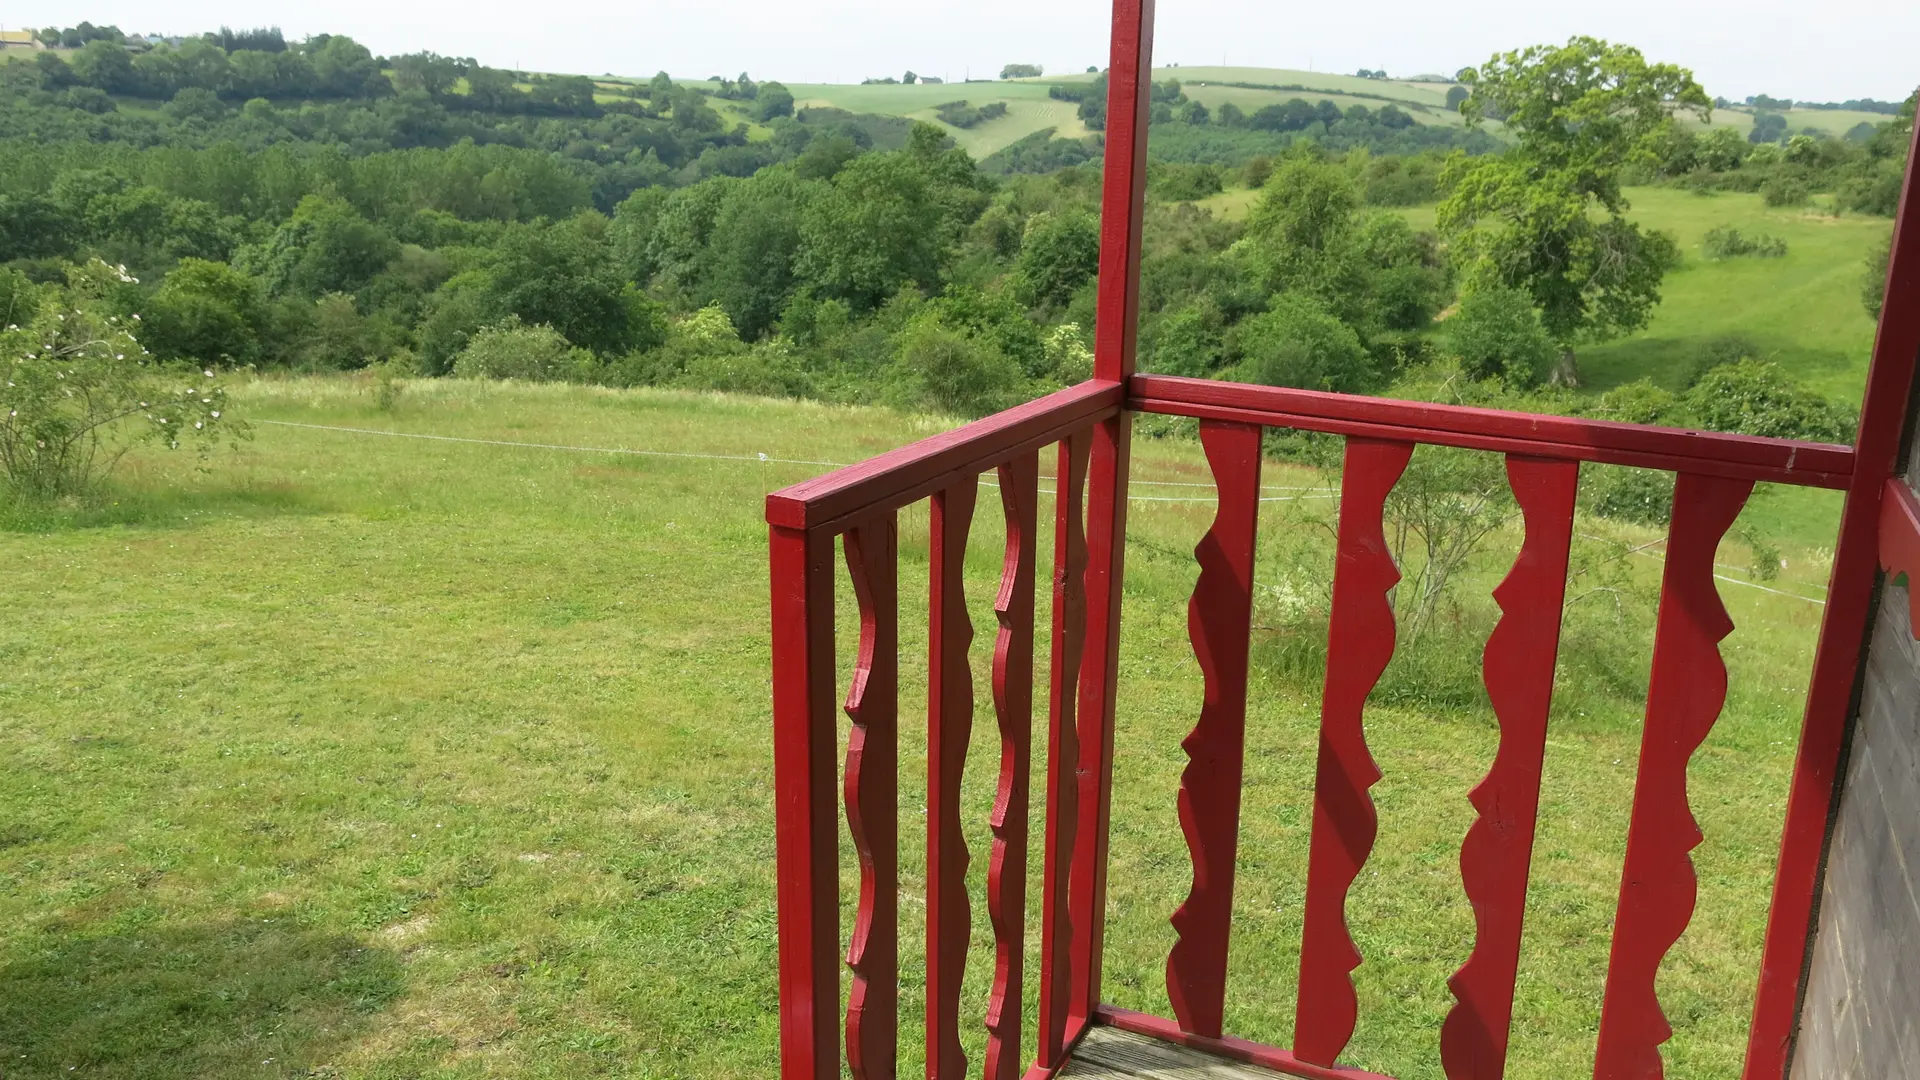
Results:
1029 109
364 756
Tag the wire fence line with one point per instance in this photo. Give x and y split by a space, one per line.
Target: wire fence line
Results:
762 458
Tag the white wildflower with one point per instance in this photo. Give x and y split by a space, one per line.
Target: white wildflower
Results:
197 425
216 414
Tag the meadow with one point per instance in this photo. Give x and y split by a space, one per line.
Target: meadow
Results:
358 755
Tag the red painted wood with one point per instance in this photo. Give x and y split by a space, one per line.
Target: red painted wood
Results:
1518 667
1900 543
806 819
1063 748
949 729
1836 665
1219 620
1563 437
1684 698
912 473
1013 706
1124 189
1233 1049
872 783
1359 645
1106 543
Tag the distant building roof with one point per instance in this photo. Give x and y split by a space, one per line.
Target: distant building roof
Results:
19 37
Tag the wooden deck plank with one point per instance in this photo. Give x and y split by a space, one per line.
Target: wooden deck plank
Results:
1111 1054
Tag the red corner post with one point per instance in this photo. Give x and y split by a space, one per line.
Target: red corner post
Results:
1122 208
1832 699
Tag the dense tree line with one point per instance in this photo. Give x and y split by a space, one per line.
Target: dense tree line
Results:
1862 171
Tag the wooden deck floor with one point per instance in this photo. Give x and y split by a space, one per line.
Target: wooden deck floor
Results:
1111 1054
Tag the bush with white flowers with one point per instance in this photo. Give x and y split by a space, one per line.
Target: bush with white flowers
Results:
80 392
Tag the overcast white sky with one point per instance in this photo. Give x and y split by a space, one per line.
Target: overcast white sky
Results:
1788 48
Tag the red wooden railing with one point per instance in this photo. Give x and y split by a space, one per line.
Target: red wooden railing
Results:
1087 428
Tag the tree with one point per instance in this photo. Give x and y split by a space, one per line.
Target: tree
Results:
1457 96
205 312
909 78
1022 71
877 227
1873 283
1300 343
105 65
1059 253
1498 335
1548 216
774 102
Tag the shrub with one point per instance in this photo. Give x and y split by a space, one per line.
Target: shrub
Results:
1299 343
1497 335
937 367
960 114
19 298
205 312
1753 397
769 369
1784 189
1639 496
1727 242
510 349
1718 352
1873 281
82 392
1638 402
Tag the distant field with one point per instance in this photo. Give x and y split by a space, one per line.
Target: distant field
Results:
1433 95
1835 122
1029 109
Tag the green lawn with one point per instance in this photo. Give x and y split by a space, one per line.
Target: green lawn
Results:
360 756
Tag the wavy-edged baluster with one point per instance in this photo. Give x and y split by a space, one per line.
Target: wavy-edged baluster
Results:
1684 698
872 794
1063 745
1219 620
949 728
1360 639
1518 667
1013 706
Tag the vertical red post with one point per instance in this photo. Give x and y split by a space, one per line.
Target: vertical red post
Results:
873 804
1063 750
1519 667
1360 641
949 729
806 820
1117 324
1832 695
1684 698
1013 705
1220 622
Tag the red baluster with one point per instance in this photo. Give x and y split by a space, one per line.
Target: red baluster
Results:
806 821
1013 705
1684 698
1219 620
1063 746
1518 667
872 783
949 728
1359 644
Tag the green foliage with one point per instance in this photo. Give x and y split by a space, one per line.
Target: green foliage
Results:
1548 215
82 391
326 246
1717 352
1754 397
878 226
1300 343
1058 254
960 114
1022 71
1873 280
941 368
512 349
1497 335
1727 242
206 312
19 298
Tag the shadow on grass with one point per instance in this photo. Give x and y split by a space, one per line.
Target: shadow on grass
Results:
158 508
241 998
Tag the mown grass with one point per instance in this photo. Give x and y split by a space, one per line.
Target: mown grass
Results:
362 756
